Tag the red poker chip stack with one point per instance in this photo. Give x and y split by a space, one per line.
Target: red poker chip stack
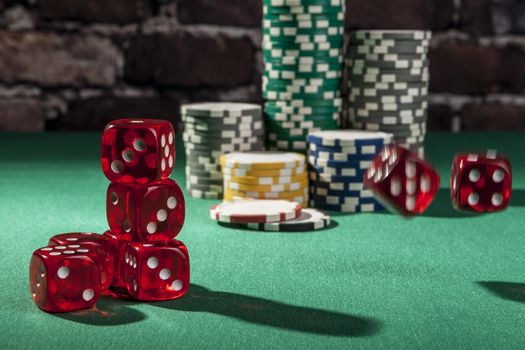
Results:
139 254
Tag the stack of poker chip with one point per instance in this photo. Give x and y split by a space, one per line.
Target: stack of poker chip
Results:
211 130
275 215
388 84
337 161
303 62
265 175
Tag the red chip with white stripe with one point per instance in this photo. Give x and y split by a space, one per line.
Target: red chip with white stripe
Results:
255 211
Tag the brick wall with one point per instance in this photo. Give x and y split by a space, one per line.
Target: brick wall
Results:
77 64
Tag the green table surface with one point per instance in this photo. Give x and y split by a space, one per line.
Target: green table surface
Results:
373 281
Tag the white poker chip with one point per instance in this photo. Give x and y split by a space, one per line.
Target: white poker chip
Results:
255 211
309 220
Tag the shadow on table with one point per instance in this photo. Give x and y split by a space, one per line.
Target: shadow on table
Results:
442 207
517 198
110 310
272 313
505 290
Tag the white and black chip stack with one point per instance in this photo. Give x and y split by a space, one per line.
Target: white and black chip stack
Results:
388 80
212 129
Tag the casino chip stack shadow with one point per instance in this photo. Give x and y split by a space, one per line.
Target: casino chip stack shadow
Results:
388 84
212 129
303 64
139 255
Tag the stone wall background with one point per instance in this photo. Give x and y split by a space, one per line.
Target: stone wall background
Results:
74 65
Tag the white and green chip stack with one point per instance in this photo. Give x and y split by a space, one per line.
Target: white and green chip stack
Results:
388 84
303 62
211 130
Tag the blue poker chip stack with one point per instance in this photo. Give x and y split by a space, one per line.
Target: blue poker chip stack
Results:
337 161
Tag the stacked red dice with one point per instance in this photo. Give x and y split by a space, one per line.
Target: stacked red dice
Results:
145 211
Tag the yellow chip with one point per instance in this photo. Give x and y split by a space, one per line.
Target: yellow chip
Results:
265 173
290 187
255 180
229 193
262 160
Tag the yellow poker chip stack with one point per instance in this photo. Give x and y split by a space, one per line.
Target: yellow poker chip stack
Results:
265 175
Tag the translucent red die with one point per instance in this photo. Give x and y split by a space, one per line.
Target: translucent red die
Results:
402 181
103 250
481 182
138 150
117 243
150 213
63 279
156 271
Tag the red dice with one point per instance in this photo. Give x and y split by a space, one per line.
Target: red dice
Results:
118 243
62 278
145 212
158 271
150 213
402 181
138 150
481 182
98 243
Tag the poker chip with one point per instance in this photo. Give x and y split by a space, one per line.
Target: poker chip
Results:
348 208
309 220
262 160
388 83
302 47
338 138
266 180
411 35
279 192
255 211
326 174
220 110
212 129
301 198
265 175
337 162
292 186
204 194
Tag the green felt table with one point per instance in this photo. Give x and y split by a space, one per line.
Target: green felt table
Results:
372 281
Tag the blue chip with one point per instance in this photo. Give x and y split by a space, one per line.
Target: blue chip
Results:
361 165
326 174
342 200
341 157
349 186
349 138
362 150
364 208
332 174
320 191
